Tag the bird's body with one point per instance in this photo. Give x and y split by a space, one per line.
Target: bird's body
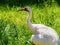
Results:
43 35
40 40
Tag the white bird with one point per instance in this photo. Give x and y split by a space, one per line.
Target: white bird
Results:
43 35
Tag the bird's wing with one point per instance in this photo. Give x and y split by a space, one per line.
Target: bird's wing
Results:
48 33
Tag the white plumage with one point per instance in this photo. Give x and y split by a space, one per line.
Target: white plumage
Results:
43 35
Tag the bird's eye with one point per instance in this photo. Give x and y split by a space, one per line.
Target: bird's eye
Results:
25 9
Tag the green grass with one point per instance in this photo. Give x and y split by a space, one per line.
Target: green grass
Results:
13 28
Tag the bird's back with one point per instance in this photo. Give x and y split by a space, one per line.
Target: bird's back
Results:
45 36
45 30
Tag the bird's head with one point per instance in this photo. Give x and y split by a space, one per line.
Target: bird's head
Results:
25 9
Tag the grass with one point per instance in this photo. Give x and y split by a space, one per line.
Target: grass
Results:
13 28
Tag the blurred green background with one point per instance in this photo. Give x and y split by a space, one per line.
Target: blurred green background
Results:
13 28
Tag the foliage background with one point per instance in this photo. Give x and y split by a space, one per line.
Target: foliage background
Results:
13 28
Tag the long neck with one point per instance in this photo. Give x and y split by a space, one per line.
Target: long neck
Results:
28 19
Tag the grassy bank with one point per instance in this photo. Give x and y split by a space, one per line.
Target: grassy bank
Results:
13 28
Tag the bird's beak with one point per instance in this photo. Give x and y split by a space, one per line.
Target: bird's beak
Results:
20 9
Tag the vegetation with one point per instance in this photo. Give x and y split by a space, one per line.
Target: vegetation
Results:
13 28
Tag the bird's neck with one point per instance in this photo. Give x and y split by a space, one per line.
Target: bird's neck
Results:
28 19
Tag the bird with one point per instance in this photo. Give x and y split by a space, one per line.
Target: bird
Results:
42 34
